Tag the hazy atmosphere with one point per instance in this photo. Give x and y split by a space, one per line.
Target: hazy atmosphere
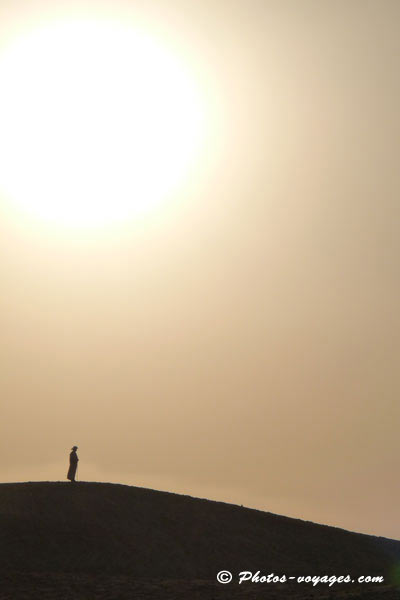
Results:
236 337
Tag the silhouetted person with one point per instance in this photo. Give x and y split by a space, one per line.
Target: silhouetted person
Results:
73 464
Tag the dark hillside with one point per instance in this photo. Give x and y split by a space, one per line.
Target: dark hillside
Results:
117 529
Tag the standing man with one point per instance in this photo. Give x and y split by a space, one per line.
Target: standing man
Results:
73 464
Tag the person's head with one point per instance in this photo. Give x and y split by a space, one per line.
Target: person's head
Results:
74 448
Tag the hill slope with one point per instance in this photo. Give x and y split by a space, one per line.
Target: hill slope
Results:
109 528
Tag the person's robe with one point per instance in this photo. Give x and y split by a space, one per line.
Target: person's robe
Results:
73 465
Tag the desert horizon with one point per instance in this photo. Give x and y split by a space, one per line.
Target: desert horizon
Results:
230 496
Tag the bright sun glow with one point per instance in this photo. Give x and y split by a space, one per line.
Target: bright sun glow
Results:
98 122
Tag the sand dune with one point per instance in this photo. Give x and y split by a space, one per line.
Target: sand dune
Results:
96 540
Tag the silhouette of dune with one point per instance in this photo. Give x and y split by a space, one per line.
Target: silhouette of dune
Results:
58 535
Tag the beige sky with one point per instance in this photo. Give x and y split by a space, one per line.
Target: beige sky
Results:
242 343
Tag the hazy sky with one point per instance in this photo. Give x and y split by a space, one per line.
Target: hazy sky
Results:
241 343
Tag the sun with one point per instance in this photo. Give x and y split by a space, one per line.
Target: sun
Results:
98 122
